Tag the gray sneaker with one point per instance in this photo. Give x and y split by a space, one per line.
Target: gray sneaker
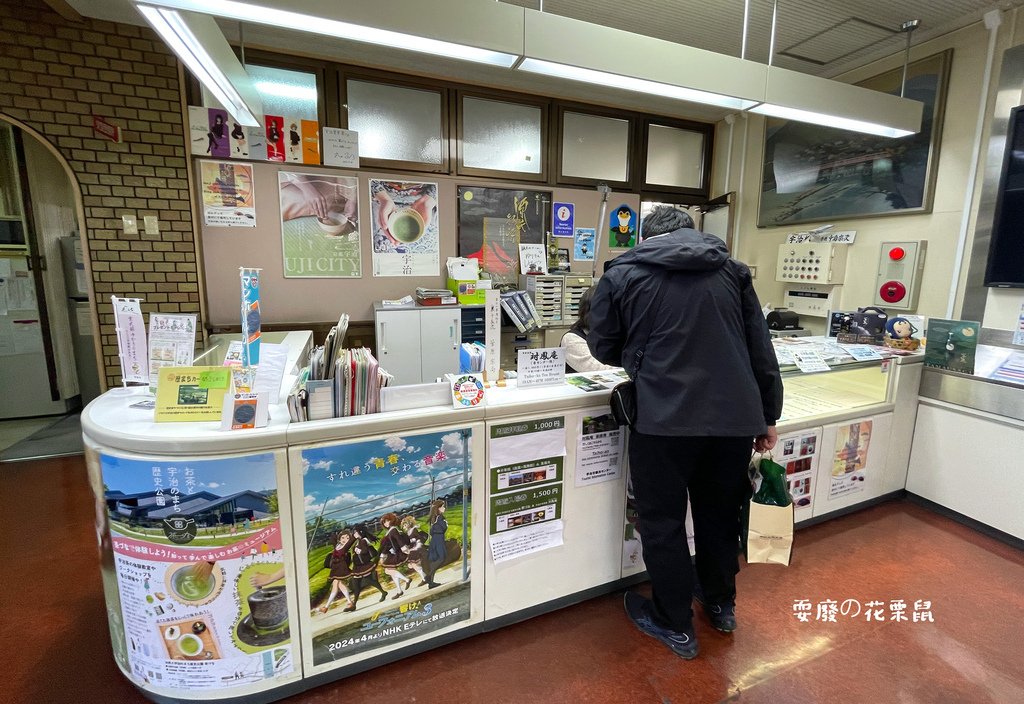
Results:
682 643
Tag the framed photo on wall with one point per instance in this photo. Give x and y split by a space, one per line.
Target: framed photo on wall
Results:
813 173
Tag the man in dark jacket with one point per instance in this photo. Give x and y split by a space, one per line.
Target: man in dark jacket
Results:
682 318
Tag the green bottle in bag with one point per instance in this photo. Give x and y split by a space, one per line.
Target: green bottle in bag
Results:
773 491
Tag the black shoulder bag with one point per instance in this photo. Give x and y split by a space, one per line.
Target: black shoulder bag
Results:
623 398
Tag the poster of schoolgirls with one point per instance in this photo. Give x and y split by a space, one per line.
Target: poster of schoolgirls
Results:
388 536
199 560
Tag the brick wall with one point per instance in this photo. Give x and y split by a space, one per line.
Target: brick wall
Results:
54 76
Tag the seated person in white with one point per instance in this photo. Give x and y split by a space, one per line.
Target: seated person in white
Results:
577 353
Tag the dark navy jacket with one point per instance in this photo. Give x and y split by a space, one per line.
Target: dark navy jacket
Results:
708 367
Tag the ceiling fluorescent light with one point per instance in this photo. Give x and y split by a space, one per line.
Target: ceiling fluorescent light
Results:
640 85
799 96
175 32
818 118
583 51
287 19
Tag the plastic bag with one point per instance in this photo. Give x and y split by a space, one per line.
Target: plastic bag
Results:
773 491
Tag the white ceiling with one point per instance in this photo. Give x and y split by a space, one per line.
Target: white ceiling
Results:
813 36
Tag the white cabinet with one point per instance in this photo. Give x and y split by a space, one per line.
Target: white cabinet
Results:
417 345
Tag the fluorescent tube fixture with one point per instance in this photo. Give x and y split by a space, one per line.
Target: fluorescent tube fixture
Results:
586 75
820 101
817 118
175 32
286 19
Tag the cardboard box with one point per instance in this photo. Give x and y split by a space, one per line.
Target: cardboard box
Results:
469 292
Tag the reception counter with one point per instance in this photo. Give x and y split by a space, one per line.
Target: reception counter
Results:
250 565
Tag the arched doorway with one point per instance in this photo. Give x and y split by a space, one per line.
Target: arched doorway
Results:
48 324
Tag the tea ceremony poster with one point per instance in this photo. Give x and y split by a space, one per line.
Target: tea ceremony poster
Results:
199 563
320 225
388 533
405 228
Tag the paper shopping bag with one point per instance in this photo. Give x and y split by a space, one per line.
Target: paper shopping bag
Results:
769 534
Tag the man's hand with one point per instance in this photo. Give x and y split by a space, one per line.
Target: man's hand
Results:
763 443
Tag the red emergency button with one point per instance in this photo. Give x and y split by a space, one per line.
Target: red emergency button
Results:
892 292
897 253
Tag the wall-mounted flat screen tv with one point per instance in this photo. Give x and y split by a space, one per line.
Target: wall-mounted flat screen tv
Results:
1006 250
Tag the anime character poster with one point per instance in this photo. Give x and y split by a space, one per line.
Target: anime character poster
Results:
276 138
228 196
493 222
584 244
849 461
388 534
320 225
622 227
199 558
406 241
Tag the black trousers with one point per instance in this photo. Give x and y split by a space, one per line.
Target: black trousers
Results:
714 472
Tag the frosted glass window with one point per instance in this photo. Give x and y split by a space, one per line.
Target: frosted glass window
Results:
595 147
396 123
283 92
501 136
675 157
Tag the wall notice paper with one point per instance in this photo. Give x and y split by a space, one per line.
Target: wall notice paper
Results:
320 225
229 199
599 449
540 367
191 393
511 443
27 335
527 540
341 147
203 593
412 491
406 240
533 259
583 240
172 342
850 458
131 340
798 453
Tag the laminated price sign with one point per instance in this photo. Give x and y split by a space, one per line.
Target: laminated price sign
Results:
543 367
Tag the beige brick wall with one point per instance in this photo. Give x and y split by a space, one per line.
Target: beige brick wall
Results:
54 76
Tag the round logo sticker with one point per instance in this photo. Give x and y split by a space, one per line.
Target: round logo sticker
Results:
180 530
468 391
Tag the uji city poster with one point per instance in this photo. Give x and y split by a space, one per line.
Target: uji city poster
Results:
388 536
199 561
320 225
405 228
228 196
849 460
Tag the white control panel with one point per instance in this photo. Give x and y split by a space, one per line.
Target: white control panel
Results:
811 299
811 262
897 283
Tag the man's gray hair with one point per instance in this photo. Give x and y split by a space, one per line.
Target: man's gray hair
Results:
664 219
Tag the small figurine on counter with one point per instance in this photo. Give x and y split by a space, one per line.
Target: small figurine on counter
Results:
899 333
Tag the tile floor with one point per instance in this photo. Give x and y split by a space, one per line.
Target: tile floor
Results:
56 644
12 431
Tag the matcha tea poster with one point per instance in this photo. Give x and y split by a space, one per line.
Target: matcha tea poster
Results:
388 536
405 228
199 560
320 225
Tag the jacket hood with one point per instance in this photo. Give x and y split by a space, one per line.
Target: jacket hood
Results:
680 250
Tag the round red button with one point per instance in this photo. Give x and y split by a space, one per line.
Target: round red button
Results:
897 253
892 292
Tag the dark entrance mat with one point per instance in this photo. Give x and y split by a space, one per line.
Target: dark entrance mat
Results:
57 440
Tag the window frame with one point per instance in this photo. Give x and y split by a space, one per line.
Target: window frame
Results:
662 191
504 97
345 73
633 119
